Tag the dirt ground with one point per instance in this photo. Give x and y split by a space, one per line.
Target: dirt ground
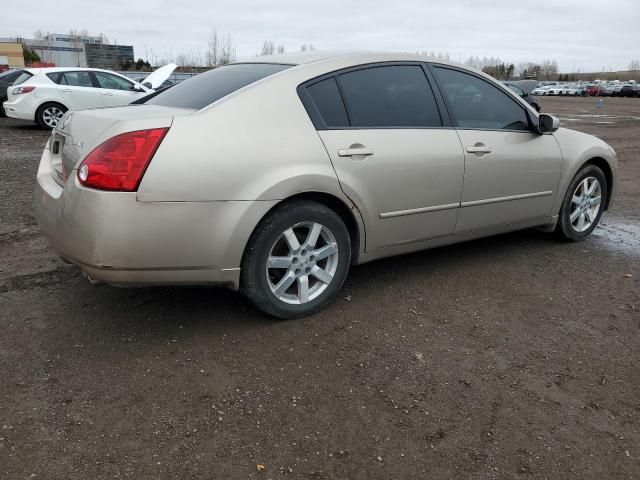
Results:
510 357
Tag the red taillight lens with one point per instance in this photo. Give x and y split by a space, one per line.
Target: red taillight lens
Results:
120 162
21 90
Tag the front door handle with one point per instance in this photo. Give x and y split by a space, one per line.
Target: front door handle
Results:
354 152
108 94
479 149
67 90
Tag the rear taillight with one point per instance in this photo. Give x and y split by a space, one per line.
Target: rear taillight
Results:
21 90
120 162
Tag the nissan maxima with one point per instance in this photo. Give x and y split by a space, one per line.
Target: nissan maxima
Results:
273 176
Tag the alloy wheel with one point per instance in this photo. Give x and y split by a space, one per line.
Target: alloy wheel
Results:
302 263
585 204
51 115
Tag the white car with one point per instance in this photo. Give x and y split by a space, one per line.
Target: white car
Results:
542 90
50 92
562 90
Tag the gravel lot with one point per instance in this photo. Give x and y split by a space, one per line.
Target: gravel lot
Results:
510 357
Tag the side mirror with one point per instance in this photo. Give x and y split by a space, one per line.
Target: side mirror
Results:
548 123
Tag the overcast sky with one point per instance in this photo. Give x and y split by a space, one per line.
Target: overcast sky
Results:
589 34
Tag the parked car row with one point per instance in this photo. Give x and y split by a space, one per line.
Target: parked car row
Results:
601 89
43 95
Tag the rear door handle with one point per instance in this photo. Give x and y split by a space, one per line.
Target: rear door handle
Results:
68 90
478 148
108 94
352 152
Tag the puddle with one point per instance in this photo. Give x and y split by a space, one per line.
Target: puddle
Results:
619 236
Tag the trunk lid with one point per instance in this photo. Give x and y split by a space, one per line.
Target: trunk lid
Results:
79 132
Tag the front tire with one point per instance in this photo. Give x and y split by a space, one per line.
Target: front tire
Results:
49 113
296 260
3 114
583 204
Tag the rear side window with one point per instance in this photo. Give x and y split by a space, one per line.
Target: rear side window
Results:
476 103
208 87
23 77
326 97
55 77
389 96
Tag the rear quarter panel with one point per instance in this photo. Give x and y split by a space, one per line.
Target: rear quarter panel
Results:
257 144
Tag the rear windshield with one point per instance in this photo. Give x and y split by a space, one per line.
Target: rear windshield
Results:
206 88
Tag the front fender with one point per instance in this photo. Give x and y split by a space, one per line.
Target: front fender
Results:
578 149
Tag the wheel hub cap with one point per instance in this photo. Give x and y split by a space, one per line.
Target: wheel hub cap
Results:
585 204
302 263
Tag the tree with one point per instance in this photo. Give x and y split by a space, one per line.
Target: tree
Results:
280 48
268 48
502 71
307 48
227 50
30 56
213 52
221 50
78 39
549 69
634 66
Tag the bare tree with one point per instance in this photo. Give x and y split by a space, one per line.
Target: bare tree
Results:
280 48
221 50
227 50
307 48
213 52
268 48
634 66
549 69
182 60
78 39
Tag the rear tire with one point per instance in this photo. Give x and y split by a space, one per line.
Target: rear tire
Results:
583 205
49 113
296 260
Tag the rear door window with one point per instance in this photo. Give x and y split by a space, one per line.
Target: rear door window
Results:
76 79
389 96
208 87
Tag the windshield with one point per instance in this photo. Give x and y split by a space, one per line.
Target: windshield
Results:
208 87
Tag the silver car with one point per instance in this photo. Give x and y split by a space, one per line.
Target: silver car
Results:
275 175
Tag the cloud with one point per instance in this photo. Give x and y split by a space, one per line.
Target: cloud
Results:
588 35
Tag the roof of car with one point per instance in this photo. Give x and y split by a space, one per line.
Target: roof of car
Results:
33 71
359 56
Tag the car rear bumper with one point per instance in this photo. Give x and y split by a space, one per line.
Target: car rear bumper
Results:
116 239
19 109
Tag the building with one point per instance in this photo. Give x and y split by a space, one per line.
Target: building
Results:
64 50
105 55
61 50
12 51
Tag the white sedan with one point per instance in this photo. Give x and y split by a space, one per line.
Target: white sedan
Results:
49 92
